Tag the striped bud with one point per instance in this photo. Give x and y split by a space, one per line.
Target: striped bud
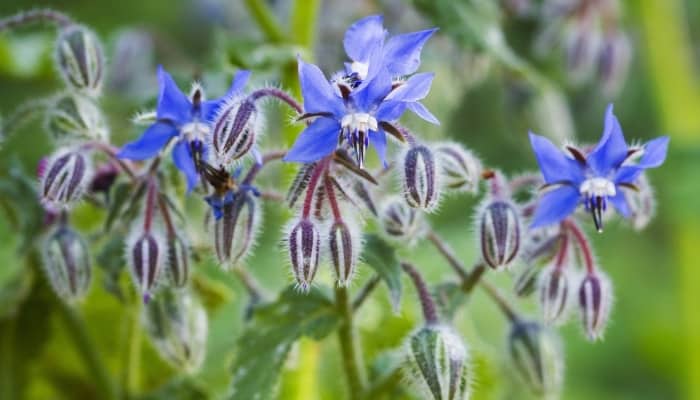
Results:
343 248
437 364
420 178
80 59
73 116
499 233
145 256
177 264
461 169
401 222
595 301
67 263
237 229
613 62
642 203
526 281
303 242
65 178
537 356
234 131
554 294
177 325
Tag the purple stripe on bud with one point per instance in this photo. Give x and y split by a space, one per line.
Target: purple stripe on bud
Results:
343 248
234 131
461 169
178 261
595 299
145 256
401 222
65 179
499 227
554 295
80 59
67 264
304 242
420 178
235 232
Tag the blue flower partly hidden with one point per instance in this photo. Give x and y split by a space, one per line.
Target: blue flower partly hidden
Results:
182 118
594 178
361 104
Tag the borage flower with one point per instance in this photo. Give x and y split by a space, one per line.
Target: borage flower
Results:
186 118
594 178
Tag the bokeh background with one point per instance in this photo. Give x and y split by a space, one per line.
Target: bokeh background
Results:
652 346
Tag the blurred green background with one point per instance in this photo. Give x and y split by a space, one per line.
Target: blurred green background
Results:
652 346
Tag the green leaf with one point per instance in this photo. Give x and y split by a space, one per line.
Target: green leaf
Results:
266 341
179 388
120 195
111 260
448 297
381 256
18 197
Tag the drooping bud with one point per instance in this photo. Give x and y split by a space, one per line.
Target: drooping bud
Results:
401 223
344 249
177 325
234 131
80 59
554 294
642 203
304 242
104 178
178 261
540 244
73 116
537 355
595 301
145 253
526 281
499 233
437 364
67 263
461 169
613 62
236 228
65 179
421 178
582 46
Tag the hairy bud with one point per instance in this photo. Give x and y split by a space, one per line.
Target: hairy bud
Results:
595 300
461 169
178 261
234 131
73 116
499 233
303 242
145 254
537 356
177 325
344 248
526 281
554 294
642 203
236 230
437 364
80 59
420 178
613 62
582 45
401 222
65 178
67 263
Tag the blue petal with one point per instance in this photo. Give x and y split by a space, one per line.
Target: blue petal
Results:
619 201
402 52
318 94
390 110
654 153
611 151
414 89
362 36
172 105
316 141
555 166
555 205
183 161
628 174
378 141
150 142
423 112
369 97
240 79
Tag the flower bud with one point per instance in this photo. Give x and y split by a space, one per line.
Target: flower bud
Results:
537 355
499 232
73 116
177 264
177 325
80 59
344 248
401 223
145 254
67 263
554 294
236 230
461 169
303 242
582 44
65 178
595 300
540 244
420 178
613 62
526 281
104 178
642 203
234 131
437 364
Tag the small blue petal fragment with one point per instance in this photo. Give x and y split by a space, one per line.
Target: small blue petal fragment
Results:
182 158
415 88
172 105
654 153
420 110
611 151
316 141
362 36
378 141
619 201
319 96
150 142
555 166
402 52
555 205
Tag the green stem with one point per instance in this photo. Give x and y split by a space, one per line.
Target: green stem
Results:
7 340
352 358
131 375
383 385
266 20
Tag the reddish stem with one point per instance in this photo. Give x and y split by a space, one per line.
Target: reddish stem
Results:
150 205
332 200
33 16
426 300
255 169
583 244
563 250
165 212
311 188
278 94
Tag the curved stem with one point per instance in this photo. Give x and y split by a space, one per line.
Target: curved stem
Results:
583 244
469 278
266 20
150 205
562 253
279 94
311 187
165 213
426 300
255 169
111 152
35 16
330 194
353 364
365 292
250 284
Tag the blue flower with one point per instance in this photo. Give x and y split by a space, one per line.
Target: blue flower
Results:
217 202
185 119
595 178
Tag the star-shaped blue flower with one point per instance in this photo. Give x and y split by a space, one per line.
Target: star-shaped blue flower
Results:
595 178
184 118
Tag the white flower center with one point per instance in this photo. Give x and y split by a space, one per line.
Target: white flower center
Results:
195 130
597 187
360 68
361 122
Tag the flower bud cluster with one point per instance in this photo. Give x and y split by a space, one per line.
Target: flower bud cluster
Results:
67 263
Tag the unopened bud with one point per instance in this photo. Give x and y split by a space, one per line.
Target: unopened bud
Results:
73 116
344 248
177 325
537 355
145 253
80 59
540 244
303 242
401 223
461 169
420 178
581 50
526 280
595 300
104 178
67 263
236 228
499 233
613 62
65 178
642 203
178 261
234 131
554 294
437 364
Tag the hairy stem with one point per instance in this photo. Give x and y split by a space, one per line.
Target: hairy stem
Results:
426 300
278 94
257 167
39 15
251 285
353 364
366 290
583 244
